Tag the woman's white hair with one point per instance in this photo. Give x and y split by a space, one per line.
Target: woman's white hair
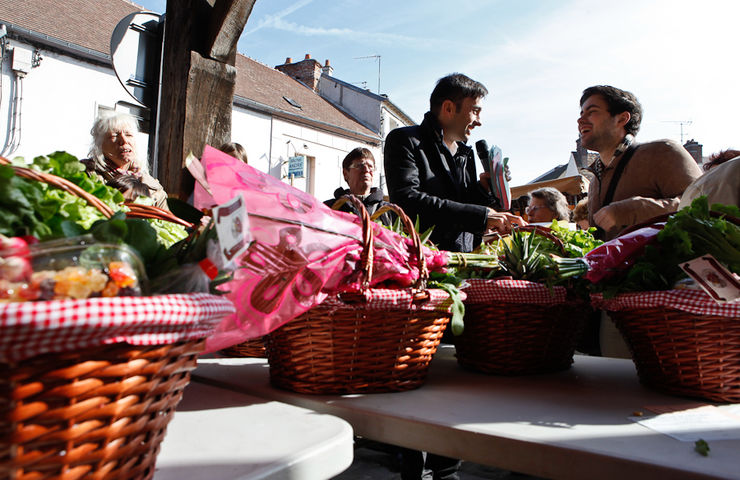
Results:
106 123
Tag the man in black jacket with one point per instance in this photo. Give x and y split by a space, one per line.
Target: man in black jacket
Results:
430 171
358 168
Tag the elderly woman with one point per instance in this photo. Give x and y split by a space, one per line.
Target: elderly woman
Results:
113 158
547 204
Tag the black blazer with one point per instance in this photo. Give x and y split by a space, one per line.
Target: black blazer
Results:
420 180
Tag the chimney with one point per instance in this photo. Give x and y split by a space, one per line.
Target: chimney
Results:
327 69
695 150
307 71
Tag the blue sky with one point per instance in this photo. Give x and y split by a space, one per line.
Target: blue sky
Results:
535 57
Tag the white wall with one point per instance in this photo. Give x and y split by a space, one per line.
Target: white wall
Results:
328 151
61 98
252 130
59 105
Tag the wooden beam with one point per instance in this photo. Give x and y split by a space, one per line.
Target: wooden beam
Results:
227 23
197 92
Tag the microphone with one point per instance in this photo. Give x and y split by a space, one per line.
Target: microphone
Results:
481 146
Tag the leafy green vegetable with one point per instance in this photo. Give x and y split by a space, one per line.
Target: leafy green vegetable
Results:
688 234
701 447
451 284
575 242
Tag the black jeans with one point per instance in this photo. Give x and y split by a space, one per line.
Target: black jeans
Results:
412 465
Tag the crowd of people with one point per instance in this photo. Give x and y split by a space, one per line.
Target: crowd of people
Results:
430 170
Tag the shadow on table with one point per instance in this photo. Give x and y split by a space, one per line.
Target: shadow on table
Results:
211 471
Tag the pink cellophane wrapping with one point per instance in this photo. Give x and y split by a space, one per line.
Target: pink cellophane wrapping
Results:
302 251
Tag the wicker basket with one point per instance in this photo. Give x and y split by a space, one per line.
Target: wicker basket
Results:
95 413
254 348
91 396
677 351
516 327
346 345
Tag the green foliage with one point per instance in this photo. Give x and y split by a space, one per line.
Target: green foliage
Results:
688 234
701 447
576 243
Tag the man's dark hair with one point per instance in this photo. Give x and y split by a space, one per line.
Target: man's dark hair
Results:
618 101
356 154
455 87
718 159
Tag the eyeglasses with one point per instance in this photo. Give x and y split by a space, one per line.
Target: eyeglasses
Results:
366 165
533 208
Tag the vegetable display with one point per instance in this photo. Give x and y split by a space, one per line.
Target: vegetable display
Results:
649 258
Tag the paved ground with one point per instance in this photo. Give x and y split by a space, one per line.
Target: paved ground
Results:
372 463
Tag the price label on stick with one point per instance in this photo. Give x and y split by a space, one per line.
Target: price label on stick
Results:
232 227
720 283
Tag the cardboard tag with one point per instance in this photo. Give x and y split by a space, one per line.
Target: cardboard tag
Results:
720 283
232 227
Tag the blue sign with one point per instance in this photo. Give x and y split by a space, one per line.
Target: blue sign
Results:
296 166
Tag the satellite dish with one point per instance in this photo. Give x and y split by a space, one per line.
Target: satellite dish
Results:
136 48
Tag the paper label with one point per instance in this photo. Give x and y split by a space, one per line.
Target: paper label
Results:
721 284
232 227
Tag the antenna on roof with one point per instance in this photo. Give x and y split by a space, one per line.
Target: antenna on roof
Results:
682 123
377 57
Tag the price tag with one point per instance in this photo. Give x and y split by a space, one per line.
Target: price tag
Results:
232 227
720 283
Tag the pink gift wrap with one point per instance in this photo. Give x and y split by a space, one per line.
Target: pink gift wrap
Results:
302 251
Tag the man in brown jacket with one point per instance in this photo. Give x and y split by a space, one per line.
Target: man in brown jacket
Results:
634 182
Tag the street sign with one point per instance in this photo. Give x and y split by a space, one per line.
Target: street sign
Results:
297 166
136 47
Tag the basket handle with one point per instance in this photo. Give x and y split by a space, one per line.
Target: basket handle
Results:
408 225
368 236
137 210
61 183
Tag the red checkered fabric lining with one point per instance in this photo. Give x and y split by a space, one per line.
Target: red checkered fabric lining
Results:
693 301
28 329
395 299
512 291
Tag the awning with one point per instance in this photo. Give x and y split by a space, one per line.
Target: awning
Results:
575 185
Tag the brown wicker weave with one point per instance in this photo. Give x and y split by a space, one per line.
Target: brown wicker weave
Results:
520 339
682 353
99 413
254 348
356 349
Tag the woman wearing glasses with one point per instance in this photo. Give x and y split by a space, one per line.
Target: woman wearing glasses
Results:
358 168
547 204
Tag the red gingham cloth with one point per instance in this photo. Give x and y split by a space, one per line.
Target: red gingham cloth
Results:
28 329
395 299
512 291
693 301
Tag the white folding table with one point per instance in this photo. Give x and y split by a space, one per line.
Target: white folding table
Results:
572 424
220 434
